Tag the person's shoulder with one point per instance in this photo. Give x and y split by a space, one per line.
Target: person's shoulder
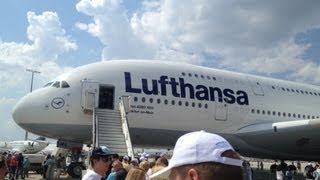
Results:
91 175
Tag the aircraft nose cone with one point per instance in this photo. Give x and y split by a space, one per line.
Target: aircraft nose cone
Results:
19 111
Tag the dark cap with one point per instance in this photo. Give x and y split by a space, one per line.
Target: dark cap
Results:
101 151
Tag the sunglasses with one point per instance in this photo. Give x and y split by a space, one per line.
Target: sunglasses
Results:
106 159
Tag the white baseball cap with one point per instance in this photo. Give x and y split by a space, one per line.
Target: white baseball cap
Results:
198 147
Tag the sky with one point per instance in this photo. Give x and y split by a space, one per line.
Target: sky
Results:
278 39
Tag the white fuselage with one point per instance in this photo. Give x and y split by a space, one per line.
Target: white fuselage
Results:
168 97
27 146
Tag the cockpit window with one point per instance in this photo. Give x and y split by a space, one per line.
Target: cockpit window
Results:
64 84
56 84
48 84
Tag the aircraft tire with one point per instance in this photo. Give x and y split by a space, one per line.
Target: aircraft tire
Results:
75 170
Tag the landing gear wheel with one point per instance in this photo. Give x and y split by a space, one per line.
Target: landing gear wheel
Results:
75 170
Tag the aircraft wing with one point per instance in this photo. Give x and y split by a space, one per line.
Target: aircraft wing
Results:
284 137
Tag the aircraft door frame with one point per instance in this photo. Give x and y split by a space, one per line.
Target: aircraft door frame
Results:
89 94
255 86
221 111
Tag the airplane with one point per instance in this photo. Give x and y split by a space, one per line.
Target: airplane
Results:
25 146
261 117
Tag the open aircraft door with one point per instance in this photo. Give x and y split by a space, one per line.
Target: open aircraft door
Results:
89 94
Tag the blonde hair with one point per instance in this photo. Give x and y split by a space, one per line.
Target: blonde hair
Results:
136 173
145 165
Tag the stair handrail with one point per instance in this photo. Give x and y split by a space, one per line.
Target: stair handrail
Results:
125 128
95 130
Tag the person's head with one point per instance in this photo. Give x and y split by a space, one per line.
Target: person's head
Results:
136 173
144 165
162 161
116 165
134 162
100 159
204 156
125 159
115 157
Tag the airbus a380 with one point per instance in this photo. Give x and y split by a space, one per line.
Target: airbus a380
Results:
261 117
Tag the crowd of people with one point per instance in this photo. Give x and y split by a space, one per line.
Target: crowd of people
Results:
14 165
197 155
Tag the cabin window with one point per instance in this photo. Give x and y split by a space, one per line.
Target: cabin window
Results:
193 104
273 113
299 116
263 112
166 101
283 89
151 100
306 92
183 74
202 76
268 112
190 75
199 105
273 87
284 114
279 113
187 103
252 111
173 102
214 78
206 106
289 115
135 99
158 101
180 103
308 116
312 117
143 99
303 116
208 77
297 90
196 75
258 111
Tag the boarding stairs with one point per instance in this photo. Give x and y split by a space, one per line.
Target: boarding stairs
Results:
110 128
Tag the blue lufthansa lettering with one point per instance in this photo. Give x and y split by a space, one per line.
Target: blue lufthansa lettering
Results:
182 89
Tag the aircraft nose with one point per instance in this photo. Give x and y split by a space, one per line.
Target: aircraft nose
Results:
19 111
24 112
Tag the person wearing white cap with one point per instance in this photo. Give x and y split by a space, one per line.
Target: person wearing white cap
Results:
202 156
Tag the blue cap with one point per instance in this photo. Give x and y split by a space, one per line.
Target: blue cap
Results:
101 151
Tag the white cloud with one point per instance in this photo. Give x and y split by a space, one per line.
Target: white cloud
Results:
248 36
47 40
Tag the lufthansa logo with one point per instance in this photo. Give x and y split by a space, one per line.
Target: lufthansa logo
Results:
57 103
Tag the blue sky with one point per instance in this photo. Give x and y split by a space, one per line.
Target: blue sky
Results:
272 38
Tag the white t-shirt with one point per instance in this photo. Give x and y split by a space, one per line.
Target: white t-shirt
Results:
91 175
